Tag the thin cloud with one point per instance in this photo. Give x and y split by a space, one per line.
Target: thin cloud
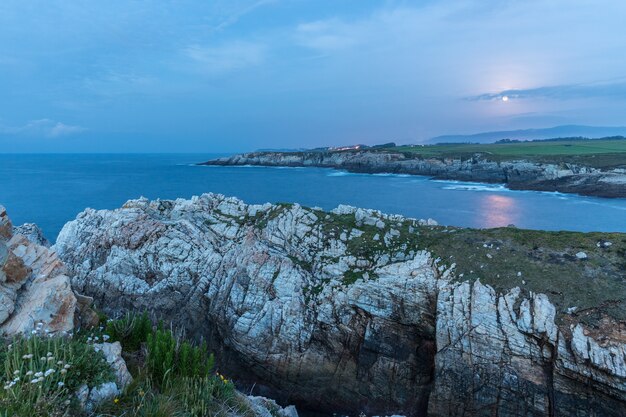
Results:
616 90
227 57
327 35
42 128
234 18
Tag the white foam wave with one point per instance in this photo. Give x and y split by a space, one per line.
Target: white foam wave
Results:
477 187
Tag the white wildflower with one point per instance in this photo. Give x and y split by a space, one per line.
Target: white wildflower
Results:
49 372
38 374
61 383
16 372
29 373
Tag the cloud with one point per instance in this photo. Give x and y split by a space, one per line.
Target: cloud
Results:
613 90
228 56
327 35
43 128
238 14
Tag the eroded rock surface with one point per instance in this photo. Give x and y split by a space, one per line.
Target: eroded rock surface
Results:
34 290
341 311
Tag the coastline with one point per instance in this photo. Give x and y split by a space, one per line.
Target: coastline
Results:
516 175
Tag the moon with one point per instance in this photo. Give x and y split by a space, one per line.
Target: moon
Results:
505 98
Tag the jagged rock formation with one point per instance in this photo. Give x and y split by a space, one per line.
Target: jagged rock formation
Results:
33 233
34 290
342 312
520 175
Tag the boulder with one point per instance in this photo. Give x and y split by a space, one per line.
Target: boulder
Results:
113 355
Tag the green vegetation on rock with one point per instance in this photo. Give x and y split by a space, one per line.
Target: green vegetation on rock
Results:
542 262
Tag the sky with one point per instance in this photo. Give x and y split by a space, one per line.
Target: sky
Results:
237 75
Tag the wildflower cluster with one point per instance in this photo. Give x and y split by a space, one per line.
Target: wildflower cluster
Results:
222 378
39 374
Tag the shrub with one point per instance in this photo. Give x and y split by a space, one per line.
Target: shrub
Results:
161 354
131 330
169 359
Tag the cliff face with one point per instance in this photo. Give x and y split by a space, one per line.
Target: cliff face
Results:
341 312
521 174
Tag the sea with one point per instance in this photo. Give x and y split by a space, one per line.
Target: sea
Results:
51 189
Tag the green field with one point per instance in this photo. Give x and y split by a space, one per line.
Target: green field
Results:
600 153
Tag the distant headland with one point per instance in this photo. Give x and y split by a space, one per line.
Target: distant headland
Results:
593 167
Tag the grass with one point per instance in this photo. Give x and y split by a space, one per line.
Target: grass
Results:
596 286
598 153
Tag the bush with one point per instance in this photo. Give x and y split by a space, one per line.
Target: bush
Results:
131 331
161 354
169 359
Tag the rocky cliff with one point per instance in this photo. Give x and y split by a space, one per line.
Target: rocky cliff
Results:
346 311
37 300
520 174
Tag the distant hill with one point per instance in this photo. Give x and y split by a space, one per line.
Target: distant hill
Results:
567 131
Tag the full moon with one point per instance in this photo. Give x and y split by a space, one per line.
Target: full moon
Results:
505 98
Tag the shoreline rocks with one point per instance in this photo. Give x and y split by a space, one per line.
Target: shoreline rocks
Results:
517 175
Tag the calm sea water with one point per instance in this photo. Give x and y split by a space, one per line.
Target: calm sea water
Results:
52 189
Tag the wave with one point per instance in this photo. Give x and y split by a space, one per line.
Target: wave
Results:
602 204
477 187
339 174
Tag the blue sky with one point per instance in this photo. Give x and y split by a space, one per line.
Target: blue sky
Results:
214 76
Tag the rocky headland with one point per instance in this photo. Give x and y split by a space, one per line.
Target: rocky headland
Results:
357 311
518 174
